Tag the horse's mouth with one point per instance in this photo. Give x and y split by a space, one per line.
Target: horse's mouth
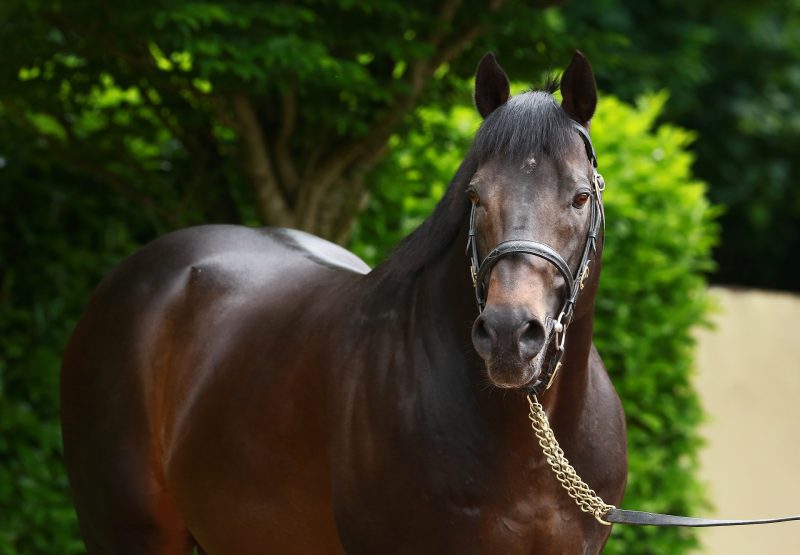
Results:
511 372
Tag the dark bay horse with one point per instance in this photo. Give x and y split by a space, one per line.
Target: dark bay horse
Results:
250 391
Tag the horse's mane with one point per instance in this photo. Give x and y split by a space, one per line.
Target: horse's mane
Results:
527 125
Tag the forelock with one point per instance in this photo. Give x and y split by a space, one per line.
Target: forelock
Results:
528 125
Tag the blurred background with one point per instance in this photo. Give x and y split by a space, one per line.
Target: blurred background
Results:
121 121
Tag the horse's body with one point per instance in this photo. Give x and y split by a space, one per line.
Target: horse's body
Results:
259 391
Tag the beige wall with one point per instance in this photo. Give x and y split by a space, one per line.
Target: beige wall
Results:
748 377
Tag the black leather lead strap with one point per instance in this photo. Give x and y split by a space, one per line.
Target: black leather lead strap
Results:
640 518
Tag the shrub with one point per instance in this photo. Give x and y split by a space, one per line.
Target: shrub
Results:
41 293
659 232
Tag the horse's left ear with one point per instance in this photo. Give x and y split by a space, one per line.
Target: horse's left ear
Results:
491 85
578 89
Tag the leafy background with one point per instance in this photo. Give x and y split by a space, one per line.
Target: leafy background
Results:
120 122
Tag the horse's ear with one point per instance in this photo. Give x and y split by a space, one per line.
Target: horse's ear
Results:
578 89
491 85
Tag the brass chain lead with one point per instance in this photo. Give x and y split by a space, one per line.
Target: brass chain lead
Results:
584 496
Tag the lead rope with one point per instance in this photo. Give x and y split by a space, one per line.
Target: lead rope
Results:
589 502
585 497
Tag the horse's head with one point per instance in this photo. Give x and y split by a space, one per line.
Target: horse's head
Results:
536 213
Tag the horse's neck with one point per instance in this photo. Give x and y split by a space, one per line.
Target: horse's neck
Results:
445 287
572 385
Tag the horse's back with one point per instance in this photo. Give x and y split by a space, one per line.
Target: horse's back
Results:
139 360
201 273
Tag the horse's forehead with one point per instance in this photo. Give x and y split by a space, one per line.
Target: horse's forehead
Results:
537 171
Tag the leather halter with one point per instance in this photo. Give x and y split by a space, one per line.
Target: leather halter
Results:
574 280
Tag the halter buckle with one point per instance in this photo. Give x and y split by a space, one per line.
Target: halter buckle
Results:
584 275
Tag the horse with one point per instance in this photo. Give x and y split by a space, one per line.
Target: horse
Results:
246 391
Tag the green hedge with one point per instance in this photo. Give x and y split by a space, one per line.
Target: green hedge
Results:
660 232
653 292
41 293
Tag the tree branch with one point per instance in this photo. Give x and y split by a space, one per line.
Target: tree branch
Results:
283 158
271 203
381 131
119 185
369 149
447 11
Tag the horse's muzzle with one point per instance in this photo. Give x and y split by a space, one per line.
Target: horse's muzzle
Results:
509 341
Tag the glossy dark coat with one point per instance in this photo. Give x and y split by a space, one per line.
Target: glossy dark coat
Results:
261 391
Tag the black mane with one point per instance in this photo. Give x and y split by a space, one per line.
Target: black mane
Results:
529 124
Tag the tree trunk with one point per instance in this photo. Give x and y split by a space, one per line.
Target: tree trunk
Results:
328 197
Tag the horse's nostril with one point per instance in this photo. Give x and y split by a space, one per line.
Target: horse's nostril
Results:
531 339
482 338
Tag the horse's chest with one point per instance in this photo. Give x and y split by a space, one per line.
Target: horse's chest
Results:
461 481
458 512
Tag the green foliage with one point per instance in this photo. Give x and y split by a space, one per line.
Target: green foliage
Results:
659 237
733 72
138 95
410 181
749 141
41 270
115 127
133 94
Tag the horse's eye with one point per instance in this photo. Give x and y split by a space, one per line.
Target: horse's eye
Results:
580 200
473 196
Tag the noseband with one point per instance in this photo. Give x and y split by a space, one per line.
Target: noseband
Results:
574 281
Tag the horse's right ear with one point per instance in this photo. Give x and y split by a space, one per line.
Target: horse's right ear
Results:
491 85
